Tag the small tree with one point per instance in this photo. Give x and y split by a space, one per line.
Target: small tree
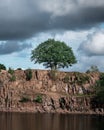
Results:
93 68
38 99
53 54
2 67
11 71
28 74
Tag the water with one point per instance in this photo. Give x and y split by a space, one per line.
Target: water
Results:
23 121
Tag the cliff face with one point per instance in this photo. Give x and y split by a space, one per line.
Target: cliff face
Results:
46 91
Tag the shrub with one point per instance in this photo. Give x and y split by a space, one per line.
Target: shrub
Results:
2 67
66 78
81 79
11 71
25 99
99 90
19 68
93 68
38 99
13 78
99 86
28 73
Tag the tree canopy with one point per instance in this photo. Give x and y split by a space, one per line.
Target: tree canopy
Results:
53 54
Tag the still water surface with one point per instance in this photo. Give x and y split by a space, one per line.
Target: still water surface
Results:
22 121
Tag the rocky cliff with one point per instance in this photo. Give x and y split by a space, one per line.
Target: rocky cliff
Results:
47 91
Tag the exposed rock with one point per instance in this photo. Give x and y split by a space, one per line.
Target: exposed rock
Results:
59 95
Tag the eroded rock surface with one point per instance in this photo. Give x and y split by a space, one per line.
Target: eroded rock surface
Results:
45 92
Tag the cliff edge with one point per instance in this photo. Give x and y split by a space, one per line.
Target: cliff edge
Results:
48 91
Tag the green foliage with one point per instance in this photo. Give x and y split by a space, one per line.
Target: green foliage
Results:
53 54
93 68
2 67
66 78
19 68
11 71
83 79
28 73
25 99
38 99
99 89
100 83
100 97
80 78
13 78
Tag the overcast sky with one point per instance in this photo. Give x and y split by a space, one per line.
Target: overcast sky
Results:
24 24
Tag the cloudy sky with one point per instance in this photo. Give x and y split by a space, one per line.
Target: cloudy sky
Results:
24 24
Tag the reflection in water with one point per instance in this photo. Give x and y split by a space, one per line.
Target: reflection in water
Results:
23 121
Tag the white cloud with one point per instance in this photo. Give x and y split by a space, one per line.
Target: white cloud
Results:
94 45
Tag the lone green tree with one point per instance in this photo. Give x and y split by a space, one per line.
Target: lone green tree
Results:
53 54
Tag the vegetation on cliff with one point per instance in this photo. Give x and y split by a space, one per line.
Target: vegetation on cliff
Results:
58 91
2 67
99 89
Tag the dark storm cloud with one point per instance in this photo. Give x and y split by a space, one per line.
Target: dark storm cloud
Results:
20 19
83 19
13 46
